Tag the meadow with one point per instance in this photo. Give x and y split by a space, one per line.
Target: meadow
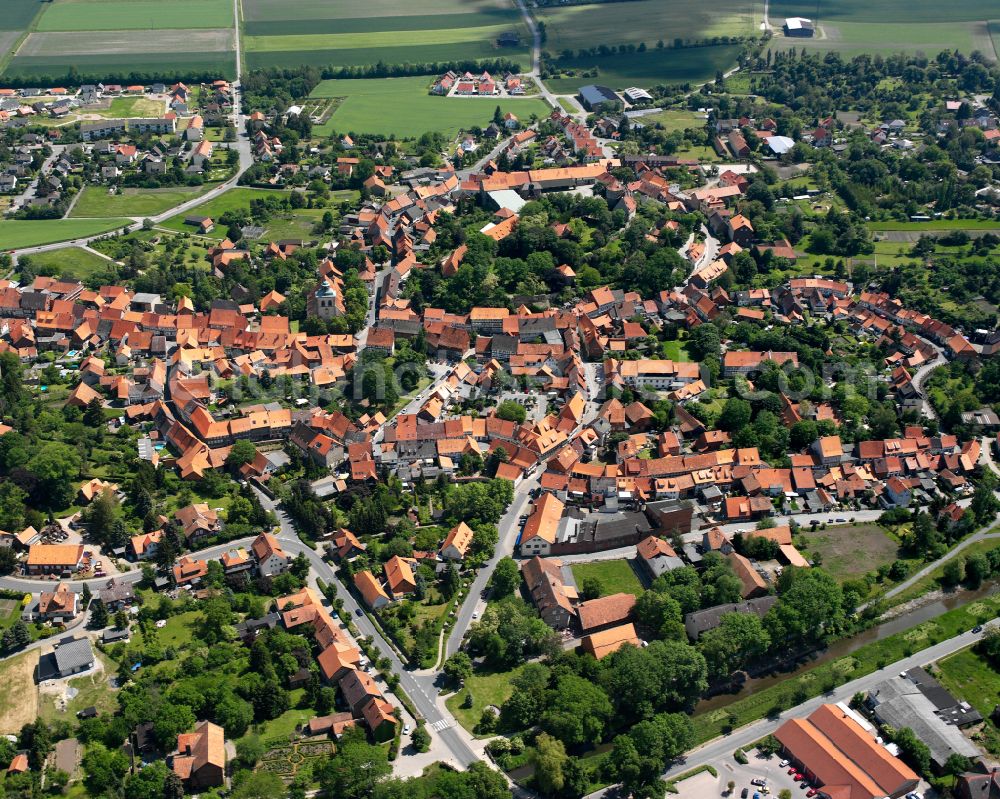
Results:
17 234
414 111
131 107
73 263
95 201
653 67
349 34
107 15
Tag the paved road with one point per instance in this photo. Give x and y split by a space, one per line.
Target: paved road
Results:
31 190
509 527
421 692
721 749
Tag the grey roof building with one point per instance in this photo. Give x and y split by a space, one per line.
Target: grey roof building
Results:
71 657
701 621
919 702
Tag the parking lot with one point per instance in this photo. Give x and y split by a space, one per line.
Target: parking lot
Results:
759 767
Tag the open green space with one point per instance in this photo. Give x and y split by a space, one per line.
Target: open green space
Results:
615 576
363 109
793 691
96 202
578 27
683 65
234 199
969 676
674 120
127 107
68 262
486 688
151 15
16 234
838 548
18 693
675 351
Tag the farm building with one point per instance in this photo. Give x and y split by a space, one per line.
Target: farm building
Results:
593 96
799 26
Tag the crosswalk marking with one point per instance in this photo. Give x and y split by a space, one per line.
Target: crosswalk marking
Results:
442 724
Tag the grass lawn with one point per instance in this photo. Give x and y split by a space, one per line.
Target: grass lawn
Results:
177 631
839 547
615 576
97 15
96 202
673 120
932 580
17 234
234 199
92 690
69 262
279 730
675 351
871 657
131 107
415 112
18 693
487 688
970 677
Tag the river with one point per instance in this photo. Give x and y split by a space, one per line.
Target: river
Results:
846 646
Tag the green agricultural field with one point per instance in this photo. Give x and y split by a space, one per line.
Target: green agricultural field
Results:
106 15
854 26
342 33
615 576
69 262
365 56
17 234
578 27
279 10
96 202
48 56
685 65
18 14
854 38
51 68
373 40
363 109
